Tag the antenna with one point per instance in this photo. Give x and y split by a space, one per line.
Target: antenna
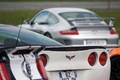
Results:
19 33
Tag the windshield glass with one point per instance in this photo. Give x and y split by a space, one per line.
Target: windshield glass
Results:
67 15
11 37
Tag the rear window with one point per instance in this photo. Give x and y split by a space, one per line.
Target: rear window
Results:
12 37
31 37
75 15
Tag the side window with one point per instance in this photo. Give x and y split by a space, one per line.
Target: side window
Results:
3 37
41 17
7 41
52 19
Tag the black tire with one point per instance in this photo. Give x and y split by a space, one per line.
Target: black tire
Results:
115 68
48 35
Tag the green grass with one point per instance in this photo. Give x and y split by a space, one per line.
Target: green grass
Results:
16 17
49 0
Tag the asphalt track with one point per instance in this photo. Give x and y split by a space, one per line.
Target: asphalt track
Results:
42 5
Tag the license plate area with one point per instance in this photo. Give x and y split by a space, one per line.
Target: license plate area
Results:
68 75
95 42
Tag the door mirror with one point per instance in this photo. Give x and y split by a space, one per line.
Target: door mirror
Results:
43 23
26 22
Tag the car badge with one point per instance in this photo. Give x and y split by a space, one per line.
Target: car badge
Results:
26 68
94 31
70 57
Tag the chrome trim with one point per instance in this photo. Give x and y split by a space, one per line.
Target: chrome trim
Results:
26 68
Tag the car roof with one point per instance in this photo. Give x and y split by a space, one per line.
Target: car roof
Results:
61 10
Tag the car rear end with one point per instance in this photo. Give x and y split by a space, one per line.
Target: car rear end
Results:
21 64
76 63
89 32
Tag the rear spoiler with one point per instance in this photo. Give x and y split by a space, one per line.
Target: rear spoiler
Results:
109 21
72 48
24 50
37 49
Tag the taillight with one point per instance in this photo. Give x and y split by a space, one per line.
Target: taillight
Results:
103 58
72 31
113 31
41 69
44 59
4 74
92 58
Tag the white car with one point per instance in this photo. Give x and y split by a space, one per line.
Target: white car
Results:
20 63
74 26
76 63
17 63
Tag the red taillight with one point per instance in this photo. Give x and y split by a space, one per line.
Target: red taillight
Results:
92 59
72 31
44 59
103 58
41 69
4 74
68 32
113 31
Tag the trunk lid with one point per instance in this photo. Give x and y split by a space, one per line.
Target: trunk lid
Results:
69 58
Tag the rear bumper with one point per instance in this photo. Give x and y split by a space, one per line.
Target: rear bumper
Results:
96 74
110 43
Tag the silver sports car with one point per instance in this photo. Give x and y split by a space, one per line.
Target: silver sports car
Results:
74 26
